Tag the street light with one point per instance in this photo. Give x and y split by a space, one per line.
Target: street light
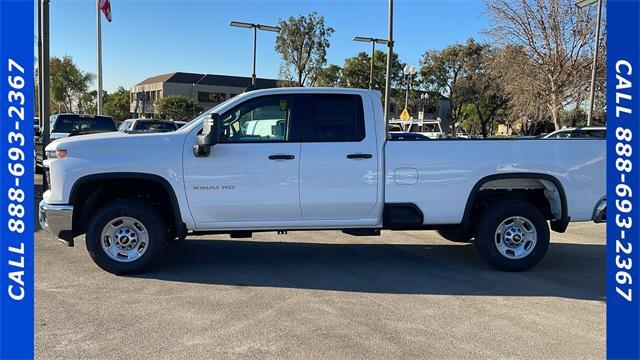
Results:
255 28
373 42
424 97
581 4
409 73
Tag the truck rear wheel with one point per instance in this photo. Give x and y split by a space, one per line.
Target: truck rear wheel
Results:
512 236
126 236
456 234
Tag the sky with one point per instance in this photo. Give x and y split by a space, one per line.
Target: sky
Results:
148 38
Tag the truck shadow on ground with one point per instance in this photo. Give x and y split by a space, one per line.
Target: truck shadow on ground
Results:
569 270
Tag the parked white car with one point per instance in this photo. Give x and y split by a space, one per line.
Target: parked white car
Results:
586 132
429 128
330 167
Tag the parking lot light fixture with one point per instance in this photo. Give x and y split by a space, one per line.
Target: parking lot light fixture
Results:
255 28
409 73
373 42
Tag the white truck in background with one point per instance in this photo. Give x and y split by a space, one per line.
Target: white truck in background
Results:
324 164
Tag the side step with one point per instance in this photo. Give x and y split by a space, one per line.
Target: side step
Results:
241 234
362 232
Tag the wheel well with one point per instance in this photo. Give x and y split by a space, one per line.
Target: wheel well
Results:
90 194
542 191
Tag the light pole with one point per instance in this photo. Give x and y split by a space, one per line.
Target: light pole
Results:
387 86
255 28
373 42
581 4
424 97
409 73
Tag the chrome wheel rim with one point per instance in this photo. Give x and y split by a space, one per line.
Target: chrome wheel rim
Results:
516 237
124 239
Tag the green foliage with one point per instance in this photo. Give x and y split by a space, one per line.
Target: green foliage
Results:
177 107
356 70
303 44
68 85
330 76
442 70
117 104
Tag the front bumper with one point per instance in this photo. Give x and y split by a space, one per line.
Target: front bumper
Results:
57 221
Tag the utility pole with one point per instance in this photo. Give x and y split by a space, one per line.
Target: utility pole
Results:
592 88
99 59
595 65
43 74
39 93
387 87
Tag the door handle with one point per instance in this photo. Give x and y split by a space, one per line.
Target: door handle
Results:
359 156
281 157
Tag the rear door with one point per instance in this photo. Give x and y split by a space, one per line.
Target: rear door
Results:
338 159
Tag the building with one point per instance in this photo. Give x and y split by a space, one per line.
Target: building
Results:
209 90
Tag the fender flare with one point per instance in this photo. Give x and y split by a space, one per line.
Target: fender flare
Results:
558 225
175 206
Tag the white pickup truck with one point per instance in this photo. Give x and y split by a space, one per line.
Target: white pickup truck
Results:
324 164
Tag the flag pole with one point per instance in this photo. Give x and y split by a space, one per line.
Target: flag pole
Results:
99 59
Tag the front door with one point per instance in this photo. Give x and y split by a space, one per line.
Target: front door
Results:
252 174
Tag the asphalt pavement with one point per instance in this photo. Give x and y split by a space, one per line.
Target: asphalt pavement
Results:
407 294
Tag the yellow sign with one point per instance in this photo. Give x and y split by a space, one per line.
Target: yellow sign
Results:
405 115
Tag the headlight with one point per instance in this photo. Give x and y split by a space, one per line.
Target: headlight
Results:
56 154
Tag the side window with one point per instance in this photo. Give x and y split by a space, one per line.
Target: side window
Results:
263 119
335 118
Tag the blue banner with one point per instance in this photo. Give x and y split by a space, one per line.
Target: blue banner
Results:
16 182
623 180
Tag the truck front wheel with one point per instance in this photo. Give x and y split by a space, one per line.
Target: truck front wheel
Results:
126 236
512 235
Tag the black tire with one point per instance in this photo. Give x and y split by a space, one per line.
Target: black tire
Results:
456 234
487 239
148 216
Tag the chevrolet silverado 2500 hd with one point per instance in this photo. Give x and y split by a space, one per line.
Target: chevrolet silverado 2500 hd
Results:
311 159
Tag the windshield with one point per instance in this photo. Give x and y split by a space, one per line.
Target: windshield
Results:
81 123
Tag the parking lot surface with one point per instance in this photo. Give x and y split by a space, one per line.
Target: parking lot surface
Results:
324 295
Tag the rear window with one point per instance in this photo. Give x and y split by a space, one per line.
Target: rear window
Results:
79 123
335 118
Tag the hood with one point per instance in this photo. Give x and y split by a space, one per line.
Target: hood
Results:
113 141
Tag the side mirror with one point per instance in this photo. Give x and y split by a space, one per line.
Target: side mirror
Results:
211 131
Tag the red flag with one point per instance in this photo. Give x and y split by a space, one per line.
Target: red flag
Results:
105 6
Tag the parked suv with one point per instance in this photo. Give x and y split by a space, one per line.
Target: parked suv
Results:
147 125
64 125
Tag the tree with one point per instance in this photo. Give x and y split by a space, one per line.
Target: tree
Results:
68 84
356 70
481 88
117 104
516 73
442 70
555 35
330 76
177 107
303 44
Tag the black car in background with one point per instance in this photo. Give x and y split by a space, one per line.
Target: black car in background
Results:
64 125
